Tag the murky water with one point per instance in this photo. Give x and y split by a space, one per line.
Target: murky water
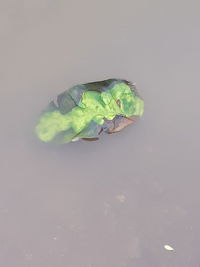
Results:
116 202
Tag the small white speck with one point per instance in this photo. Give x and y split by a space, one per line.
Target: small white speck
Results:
169 248
55 238
121 198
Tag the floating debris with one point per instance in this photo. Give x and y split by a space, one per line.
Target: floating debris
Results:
85 111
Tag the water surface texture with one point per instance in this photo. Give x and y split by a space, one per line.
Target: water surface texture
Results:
117 202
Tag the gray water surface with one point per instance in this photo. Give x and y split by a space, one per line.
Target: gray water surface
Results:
116 202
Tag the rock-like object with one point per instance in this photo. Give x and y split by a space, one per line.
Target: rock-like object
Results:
87 110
